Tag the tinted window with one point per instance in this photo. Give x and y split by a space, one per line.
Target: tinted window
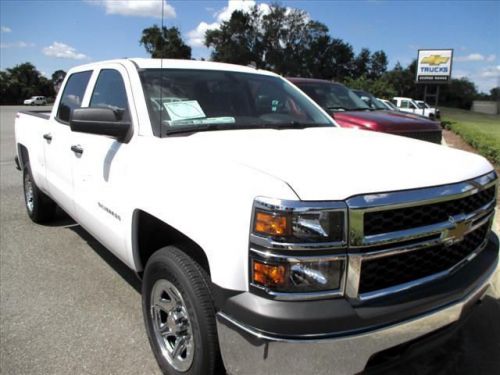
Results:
109 91
332 96
73 94
405 104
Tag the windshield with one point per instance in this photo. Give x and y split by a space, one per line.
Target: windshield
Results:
421 105
333 97
370 100
183 100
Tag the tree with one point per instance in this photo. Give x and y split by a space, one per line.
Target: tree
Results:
21 82
361 64
378 64
238 40
165 43
57 79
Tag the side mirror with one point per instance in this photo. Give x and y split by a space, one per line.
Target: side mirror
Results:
101 121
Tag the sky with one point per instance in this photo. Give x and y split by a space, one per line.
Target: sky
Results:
60 34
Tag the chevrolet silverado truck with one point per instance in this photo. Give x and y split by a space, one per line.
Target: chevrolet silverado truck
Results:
268 239
361 110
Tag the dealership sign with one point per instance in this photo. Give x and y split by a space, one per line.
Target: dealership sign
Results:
434 65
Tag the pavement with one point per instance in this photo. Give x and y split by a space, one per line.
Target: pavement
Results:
67 305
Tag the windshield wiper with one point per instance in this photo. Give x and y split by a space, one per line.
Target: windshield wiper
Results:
209 127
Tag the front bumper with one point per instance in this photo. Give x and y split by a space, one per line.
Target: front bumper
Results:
249 350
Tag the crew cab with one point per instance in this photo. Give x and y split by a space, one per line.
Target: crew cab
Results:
361 110
36 100
411 106
266 236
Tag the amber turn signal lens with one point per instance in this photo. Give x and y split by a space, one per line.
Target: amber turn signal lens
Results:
274 225
268 274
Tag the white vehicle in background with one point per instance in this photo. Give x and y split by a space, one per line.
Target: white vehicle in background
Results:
409 105
423 104
36 100
388 104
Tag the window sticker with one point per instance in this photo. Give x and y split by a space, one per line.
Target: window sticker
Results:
185 110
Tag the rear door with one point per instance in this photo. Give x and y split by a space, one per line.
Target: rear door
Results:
57 141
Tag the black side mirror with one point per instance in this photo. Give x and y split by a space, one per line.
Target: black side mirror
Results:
101 121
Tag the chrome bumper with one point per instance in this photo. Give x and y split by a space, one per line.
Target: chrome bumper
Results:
246 351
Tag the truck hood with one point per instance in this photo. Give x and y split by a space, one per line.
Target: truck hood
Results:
334 163
386 121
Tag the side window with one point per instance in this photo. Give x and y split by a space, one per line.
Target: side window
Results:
404 104
109 91
73 94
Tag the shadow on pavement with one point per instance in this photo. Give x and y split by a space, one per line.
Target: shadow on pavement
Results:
64 220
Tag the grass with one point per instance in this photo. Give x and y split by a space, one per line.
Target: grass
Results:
481 131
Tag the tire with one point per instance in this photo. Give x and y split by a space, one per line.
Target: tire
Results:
39 206
179 312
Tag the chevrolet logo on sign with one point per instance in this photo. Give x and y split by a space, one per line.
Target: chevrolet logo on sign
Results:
435 60
457 232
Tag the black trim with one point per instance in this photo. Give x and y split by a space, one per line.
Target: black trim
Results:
40 113
341 317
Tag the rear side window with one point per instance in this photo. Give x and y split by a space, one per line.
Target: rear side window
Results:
73 94
405 104
109 91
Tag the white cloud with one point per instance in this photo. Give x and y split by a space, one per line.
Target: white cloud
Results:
137 8
491 58
5 29
475 57
19 44
490 71
63 51
196 37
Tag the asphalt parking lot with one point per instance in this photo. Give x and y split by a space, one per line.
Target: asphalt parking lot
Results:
69 306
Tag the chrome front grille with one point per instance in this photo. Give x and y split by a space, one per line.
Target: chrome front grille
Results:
400 240
410 217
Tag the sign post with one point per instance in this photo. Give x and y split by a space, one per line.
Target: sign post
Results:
434 67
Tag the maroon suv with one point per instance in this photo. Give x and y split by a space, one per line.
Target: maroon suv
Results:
350 111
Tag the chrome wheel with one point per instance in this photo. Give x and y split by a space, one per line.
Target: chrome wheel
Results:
28 192
171 324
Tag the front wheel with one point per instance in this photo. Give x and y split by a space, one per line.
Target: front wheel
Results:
179 314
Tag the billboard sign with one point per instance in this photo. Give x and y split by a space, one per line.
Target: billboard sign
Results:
434 65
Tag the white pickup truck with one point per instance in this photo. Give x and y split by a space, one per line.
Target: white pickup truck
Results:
413 106
268 239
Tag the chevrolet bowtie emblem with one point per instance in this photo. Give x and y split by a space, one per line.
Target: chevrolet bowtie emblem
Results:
457 232
435 60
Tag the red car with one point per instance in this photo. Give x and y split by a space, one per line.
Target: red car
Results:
350 111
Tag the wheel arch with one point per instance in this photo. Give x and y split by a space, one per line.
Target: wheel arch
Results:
150 234
24 157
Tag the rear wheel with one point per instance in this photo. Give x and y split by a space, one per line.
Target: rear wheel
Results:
39 206
179 314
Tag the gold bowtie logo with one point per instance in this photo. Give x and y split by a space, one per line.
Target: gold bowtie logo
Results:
435 60
457 232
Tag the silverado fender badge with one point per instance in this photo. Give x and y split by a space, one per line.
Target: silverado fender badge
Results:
457 232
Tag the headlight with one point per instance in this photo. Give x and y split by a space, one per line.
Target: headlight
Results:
299 222
297 276
297 248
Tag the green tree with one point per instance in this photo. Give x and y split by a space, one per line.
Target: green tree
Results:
165 43
21 82
378 64
362 63
238 40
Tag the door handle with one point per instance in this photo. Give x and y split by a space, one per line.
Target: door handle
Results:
47 137
77 149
